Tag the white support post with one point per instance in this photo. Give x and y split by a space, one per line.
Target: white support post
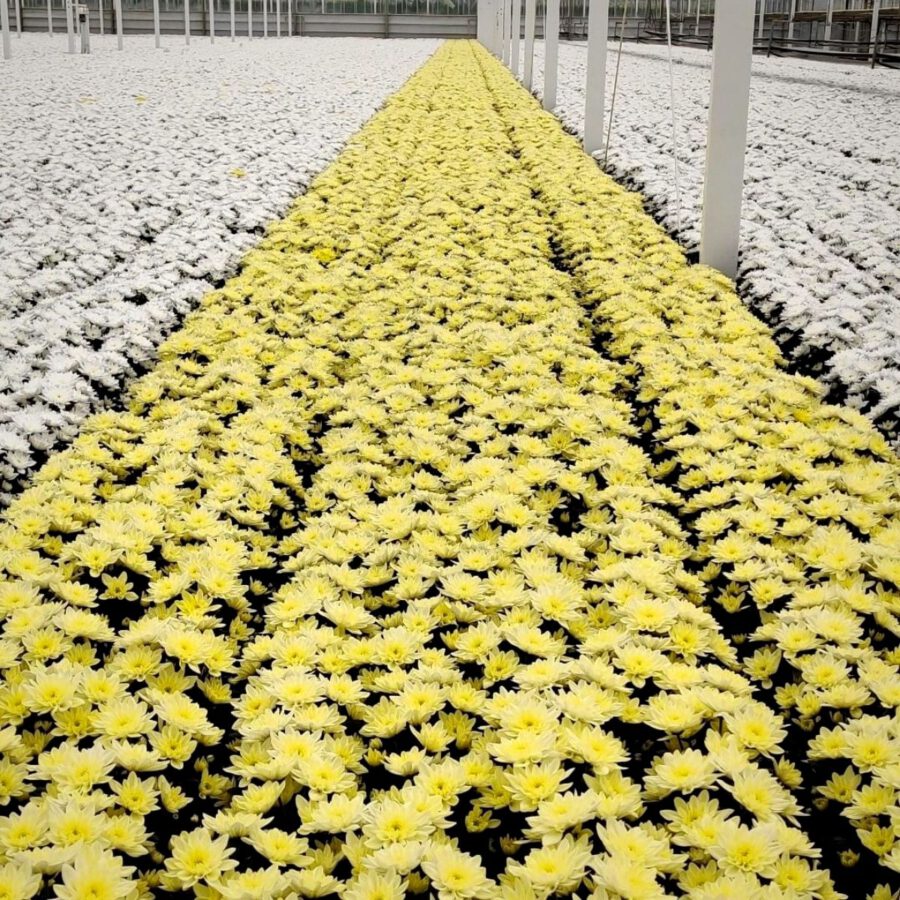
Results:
18 18
4 27
156 23
50 18
697 21
726 143
265 18
249 20
509 27
120 25
595 80
762 18
486 15
873 33
277 18
551 54
231 18
504 47
529 42
290 23
70 26
187 21
829 17
212 22
100 16
517 36
791 13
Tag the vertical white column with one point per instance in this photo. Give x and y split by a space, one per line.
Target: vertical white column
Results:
70 27
265 18
49 18
516 36
504 47
100 16
156 23
595 80
19 18
250 20
120 25
791 13
697 20
231 18
551 54
277 18
529 42
509 26
290 24
4 27
829 16
212 22
485 11
873 33
726 142
187 21
762 18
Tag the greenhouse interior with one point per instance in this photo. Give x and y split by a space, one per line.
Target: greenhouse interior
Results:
450 449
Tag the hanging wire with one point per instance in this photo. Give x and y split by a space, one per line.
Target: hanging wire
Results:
672 108
612 105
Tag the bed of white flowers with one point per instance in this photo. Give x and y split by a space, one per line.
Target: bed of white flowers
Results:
821 242
130 183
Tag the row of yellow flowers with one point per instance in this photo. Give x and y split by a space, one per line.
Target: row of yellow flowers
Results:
468 543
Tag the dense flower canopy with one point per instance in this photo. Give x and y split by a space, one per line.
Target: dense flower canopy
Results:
468 543
132 184
820 229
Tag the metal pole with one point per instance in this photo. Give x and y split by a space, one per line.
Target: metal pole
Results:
265 18
231 18
250 20
84 27
4 26
120 25
504 46
49 18
517 36
277 18
726 142
19 18
829 16
156 23
70 25
551 54
697 21
791 14
290 23
187 21
873 33
529 42
595 81
100 5
762 18
212 23
509 30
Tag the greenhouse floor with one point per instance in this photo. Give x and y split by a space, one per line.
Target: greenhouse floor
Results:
466 542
